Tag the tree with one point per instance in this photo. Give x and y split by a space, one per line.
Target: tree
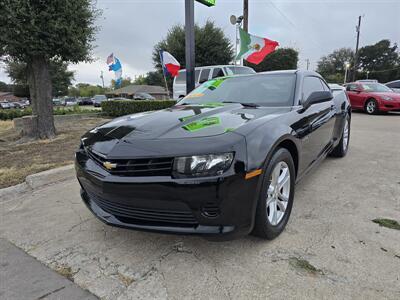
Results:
151 78
35 32
281 59
125 82
332 66
86 90
381 60
4 87
212 46
61 77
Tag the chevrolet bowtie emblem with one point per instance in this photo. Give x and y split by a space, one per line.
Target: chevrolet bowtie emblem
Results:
109 166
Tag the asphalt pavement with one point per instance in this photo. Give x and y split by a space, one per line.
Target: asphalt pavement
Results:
331 248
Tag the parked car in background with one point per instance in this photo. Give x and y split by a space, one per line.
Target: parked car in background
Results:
120 99
202 74
85 101
372 97
222 162
57 102
367 81
70 101
98 99
143 96
336 87
5 105
394 85
20 104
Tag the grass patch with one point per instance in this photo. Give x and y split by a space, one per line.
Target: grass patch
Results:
65 271
388 223
304 265
126 280
18 160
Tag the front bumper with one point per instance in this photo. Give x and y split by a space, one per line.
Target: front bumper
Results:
220 207
389 106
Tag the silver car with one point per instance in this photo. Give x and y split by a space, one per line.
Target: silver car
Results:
202 74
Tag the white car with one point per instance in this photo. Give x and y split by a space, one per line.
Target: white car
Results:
394 85
202 74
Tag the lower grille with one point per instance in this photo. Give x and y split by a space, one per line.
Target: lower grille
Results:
145 216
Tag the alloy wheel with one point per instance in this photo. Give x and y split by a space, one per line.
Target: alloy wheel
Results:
371 107
346 135
278 193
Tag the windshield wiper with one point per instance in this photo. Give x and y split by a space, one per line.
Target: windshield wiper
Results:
243 104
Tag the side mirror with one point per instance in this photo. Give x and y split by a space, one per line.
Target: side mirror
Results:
317 97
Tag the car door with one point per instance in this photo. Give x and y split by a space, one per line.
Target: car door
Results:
356 95
320 119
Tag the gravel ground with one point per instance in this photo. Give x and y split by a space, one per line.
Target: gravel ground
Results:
330 249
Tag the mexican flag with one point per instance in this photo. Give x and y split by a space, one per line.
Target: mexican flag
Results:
254 48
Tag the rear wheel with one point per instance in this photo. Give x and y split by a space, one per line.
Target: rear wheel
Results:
371 107
276 196
341 149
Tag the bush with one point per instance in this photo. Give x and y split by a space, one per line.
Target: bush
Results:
10 114
121 108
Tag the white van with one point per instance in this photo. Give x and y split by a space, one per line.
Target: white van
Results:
202 74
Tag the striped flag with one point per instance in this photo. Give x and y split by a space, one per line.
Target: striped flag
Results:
169 63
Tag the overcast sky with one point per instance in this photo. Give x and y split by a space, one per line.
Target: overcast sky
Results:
130 28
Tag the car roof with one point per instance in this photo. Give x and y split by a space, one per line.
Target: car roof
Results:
335 86
398 80
217 66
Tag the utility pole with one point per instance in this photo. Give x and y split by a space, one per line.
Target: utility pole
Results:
356 53
246 15
308 63
102 78
189 40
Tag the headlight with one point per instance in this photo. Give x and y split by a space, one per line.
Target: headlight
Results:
202 165
387 98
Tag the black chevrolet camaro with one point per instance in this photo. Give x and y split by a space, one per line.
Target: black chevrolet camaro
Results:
222 162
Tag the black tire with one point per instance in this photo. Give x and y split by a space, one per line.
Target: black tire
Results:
340 150
371 107
262 227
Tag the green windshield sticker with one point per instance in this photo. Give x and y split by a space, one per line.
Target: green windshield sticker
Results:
186 118
213 104
229 129
201 124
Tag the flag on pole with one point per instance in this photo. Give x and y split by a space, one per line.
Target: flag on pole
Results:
169 63
253 48
115 65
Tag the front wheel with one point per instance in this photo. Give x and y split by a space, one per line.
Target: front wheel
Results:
276 196
371 107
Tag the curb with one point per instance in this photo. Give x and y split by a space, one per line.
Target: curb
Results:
38 180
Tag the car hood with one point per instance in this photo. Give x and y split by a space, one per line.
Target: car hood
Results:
177 122
393 95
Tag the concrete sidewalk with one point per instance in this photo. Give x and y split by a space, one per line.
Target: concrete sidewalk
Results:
23 277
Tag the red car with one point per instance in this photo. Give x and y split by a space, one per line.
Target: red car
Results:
372 97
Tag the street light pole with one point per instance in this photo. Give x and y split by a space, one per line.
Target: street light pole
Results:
346 66
189 40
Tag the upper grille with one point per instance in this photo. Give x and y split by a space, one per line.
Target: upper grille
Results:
136 167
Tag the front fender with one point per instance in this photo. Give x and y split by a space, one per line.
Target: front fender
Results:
262 143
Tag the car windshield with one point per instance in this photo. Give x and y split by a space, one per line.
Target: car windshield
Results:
263 90
375 87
